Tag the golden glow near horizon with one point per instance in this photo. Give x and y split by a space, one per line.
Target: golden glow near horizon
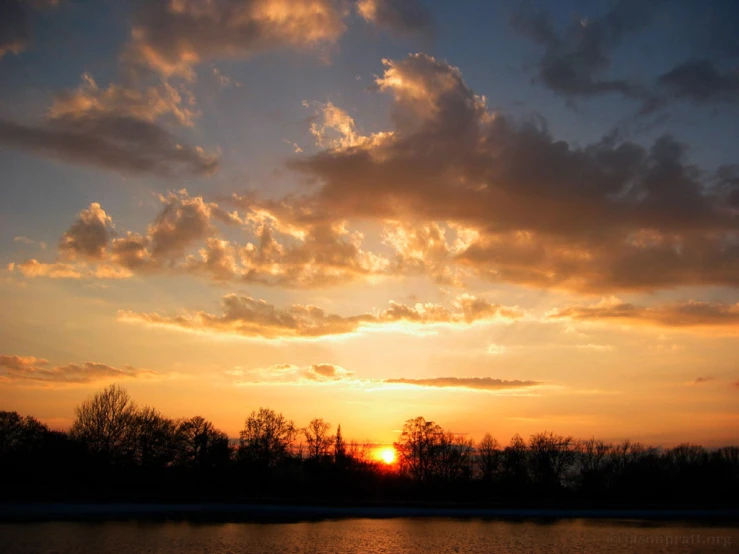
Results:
366 238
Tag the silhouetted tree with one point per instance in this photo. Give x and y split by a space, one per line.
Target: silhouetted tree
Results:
488 457
551 456
200 444
21 434
266 438
339 448
104 421
453 457
593 461
515 463
417 447
318 438
154 440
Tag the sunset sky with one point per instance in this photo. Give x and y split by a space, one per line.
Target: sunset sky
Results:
503 216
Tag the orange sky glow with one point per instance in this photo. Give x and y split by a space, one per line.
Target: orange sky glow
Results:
344 211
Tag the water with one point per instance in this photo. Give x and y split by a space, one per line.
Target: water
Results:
371 536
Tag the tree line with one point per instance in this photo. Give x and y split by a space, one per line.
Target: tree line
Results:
116 449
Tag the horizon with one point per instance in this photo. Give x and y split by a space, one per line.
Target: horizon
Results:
486 214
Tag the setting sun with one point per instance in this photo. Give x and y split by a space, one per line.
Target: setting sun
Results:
386 455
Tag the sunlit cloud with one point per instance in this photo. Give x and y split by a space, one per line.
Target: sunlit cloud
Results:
403 17
29 370
474 383
710 317
248 317
330 374
171 38
527 202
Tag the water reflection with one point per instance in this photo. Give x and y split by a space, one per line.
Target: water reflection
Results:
373 536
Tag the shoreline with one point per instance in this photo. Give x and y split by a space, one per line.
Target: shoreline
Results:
221 511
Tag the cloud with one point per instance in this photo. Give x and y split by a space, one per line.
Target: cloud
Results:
283 248
575 61
30 242
399 16
474 383
701 380
170 38
324 373
16 23
62 270
29 370
509 202
245 316
292 374
88 237
699 81
115 128
249 317
692 315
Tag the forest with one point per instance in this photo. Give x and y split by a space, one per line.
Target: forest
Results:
117 450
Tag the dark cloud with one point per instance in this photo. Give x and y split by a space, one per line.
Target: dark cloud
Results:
119 143
249 317
701 380
35 371
474 383
575 60
399 16
15 23
114 128
701 83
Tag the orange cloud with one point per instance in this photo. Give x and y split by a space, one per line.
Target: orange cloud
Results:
248 317
399 16
610 216
324 373
29 370
172 37
692 315
473 383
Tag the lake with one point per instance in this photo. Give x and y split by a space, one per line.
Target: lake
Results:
392 536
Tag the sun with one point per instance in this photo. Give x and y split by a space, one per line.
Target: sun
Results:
387 455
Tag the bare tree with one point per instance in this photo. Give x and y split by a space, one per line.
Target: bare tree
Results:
416 447
515 461
104 421
551 456
593 462
17 432
488 457
453 456
200 444
318 438
153 438
266 438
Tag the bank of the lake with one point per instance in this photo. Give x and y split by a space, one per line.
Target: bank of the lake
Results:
223 511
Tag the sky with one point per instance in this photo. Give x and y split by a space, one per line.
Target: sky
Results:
503 216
